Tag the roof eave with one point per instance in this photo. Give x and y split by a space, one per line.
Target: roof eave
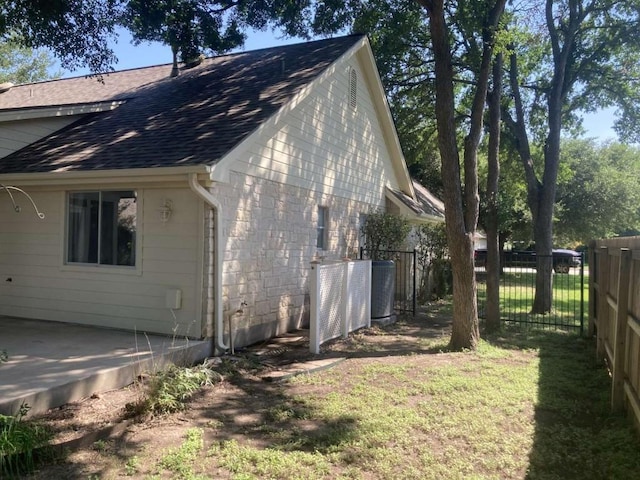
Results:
105 177
413 216
29 113
384 111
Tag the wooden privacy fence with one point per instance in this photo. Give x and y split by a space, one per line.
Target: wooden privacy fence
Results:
614 316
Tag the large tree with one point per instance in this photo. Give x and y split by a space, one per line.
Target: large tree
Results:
19 64
77 31
193 27
462 205
598 194
440 57
571 55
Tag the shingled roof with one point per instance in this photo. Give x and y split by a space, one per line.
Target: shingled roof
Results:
193 119
425 205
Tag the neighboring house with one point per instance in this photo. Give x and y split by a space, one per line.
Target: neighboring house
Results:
174 205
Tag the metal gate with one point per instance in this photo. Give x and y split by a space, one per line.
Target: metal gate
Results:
405 276
517 290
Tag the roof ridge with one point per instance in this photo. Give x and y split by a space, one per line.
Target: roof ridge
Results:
168 64
193 119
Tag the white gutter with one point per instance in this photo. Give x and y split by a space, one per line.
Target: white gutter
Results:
46 111
205 195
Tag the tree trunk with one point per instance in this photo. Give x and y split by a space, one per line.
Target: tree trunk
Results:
492 308
465 331
461 212
543 220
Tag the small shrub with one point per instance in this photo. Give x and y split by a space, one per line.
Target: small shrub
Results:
18 441
131 467
384 231
168 390
433 258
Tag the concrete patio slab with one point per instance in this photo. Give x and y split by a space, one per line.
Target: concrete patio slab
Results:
50 363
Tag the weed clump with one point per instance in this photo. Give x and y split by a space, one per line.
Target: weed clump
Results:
19 440
167 391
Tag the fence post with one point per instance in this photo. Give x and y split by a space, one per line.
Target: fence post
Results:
346 298
620 342
593 269
368 295
603 304
415 280
314 308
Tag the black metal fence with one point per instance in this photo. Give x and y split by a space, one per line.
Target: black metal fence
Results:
517 290
406 276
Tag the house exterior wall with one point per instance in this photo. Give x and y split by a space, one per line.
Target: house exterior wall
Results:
36 283
17 134
270 239
326 145
322 153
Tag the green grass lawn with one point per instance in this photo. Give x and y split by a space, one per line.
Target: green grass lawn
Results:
517 291
526 405
532 407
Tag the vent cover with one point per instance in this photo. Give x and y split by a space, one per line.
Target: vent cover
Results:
353 88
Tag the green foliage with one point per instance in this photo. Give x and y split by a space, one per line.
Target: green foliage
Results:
598 195
77 32
19 64
514 215
384 231
192 27
400 39
433 258
18 441
168 390
181 461
189 27
132 466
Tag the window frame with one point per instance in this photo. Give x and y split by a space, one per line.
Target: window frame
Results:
136 268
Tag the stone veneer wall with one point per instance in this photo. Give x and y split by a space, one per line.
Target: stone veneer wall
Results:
270 233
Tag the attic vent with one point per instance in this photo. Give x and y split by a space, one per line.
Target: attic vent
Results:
353 87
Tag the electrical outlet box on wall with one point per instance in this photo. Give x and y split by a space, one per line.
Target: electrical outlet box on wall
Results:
173 299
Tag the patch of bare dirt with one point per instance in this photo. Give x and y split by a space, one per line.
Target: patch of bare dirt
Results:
99 434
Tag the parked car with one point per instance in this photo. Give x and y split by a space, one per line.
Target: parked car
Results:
563 259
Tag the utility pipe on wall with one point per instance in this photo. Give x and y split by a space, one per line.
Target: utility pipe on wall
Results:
212 201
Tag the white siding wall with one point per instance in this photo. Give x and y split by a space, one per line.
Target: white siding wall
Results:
20 133
42 287
325 145
269 232
323 153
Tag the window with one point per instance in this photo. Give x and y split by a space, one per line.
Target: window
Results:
323 218
102 228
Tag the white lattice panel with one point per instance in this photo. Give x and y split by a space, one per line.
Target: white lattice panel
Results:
340 300
331 314
359 295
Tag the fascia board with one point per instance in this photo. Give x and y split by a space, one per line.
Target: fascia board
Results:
386 119
57 111
410 214
104 177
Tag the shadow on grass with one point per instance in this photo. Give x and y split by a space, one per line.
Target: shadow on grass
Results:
576 435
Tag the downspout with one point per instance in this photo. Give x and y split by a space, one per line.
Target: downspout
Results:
210 200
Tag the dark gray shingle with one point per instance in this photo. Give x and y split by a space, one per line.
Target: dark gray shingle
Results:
193 119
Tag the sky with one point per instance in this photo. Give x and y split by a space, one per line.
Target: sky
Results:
598 125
